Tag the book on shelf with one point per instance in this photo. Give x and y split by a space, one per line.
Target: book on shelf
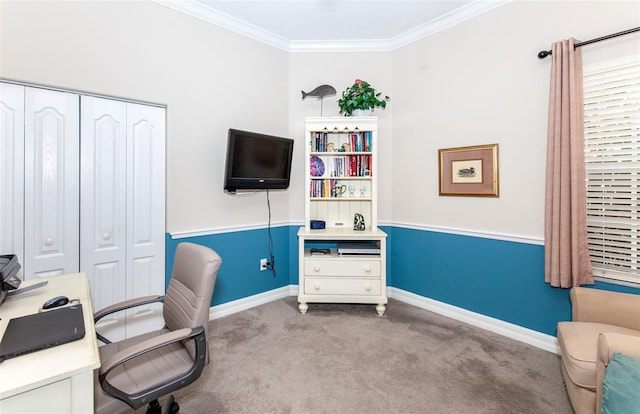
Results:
319 143
360 141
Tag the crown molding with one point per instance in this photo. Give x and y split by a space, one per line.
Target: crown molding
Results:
199 11
446 21
457 16
372 45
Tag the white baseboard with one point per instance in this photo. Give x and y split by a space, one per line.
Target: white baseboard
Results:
528 336
249 302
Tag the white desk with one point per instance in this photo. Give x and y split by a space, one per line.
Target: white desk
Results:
58 379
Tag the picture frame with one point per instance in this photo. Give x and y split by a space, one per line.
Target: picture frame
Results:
469 171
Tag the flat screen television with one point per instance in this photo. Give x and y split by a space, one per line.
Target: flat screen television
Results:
257 161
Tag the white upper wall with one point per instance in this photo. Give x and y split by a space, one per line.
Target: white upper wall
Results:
209 78
481 82
476 83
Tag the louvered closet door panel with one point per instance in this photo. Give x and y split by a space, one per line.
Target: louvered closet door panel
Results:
51 199
145 212
11 169
103 205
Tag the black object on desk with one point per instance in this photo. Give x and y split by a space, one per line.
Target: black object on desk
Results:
9 280
42 330
55 302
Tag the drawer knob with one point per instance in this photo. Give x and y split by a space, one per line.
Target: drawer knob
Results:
367 268
49 241
316 268
106 235
367 287
316 286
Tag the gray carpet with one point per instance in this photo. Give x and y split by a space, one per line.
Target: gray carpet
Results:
346 359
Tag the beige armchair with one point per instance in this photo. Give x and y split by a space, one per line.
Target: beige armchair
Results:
137 371
602 323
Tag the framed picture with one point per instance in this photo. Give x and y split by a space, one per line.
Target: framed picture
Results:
469 171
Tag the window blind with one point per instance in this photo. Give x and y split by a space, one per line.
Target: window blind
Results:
612 162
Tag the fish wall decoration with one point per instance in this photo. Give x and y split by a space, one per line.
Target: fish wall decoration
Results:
320 92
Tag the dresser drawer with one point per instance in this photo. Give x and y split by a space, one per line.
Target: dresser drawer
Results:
342 267
341 286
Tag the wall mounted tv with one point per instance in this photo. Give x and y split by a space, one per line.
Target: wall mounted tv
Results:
257 161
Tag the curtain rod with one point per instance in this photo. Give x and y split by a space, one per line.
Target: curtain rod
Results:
544 53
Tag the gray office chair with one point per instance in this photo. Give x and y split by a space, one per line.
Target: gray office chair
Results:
137 371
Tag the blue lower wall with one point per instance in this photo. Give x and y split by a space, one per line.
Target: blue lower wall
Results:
497 278
500 279
239 275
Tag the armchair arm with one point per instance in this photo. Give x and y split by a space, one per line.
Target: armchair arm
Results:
614 308
608 343
120 306
137 398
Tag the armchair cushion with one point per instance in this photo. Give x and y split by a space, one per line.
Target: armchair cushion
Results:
621 385
578 343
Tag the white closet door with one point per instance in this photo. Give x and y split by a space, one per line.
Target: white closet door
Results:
103 174
51 199
11 169
145 213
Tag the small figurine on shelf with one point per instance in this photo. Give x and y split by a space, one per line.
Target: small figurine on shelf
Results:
358 222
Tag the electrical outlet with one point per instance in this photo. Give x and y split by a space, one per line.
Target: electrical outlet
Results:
263 264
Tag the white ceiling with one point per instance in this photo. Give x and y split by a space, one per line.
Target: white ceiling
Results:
334 25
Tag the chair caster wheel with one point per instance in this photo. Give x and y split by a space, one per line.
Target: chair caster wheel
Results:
154 408
170 406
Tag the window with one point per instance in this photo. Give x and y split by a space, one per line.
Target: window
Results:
612 162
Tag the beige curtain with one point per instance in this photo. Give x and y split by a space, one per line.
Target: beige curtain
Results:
566 250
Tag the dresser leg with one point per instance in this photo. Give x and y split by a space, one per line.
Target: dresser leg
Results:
304 307
380 309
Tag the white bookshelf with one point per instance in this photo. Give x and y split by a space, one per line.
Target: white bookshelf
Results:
341 180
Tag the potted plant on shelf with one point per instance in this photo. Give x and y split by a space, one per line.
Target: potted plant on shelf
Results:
360 97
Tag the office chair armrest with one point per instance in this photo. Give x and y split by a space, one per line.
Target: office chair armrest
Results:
131 303
141 397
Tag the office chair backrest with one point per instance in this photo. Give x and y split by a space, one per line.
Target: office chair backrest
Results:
188 298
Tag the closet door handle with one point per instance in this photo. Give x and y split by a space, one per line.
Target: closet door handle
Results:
49 241
106 235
